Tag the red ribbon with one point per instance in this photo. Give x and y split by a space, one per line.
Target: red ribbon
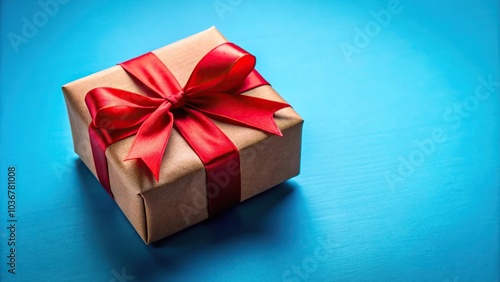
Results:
212 91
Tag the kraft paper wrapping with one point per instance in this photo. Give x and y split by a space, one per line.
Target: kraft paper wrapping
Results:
178 200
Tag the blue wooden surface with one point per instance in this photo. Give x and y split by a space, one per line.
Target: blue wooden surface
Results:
400 166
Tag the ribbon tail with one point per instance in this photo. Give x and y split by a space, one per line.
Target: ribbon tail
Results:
219 155
152 138
242 110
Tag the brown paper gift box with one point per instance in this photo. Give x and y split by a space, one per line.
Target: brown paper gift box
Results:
178 200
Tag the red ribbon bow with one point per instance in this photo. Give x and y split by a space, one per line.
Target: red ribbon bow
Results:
212 91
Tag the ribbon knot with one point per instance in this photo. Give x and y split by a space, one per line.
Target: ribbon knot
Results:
177 100
212 92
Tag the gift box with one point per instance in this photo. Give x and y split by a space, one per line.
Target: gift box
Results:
184 132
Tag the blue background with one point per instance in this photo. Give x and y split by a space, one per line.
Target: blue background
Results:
392 210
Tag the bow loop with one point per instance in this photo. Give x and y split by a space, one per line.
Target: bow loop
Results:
222 69
112 108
